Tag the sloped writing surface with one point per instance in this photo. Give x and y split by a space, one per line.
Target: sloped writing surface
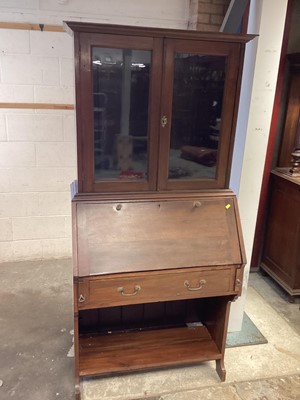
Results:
151 235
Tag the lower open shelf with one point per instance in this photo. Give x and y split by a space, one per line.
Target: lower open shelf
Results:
132 351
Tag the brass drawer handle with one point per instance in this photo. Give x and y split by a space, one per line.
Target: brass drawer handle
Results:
121 290
202 283
81 298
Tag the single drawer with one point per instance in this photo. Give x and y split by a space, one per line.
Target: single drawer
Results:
154 286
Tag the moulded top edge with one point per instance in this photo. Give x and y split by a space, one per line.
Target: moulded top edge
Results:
86 27
159 196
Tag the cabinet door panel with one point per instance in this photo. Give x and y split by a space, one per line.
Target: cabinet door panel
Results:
117 83
121 80
198 106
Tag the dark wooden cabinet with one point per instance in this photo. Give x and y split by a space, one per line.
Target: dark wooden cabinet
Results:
281 255
281 250
157 245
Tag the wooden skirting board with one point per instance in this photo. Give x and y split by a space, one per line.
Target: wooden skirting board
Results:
31 27
35 27
38 106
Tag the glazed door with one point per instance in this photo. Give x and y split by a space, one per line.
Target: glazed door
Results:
198 105
118 102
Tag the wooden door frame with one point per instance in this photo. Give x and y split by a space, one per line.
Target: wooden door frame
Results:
263 201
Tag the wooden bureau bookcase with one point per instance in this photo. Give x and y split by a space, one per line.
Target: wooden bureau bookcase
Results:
157 246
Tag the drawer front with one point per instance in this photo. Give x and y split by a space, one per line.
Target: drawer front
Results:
125 289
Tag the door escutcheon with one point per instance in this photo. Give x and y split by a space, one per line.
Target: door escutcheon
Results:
81 298
164 121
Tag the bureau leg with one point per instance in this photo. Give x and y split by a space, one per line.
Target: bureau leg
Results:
215 318
220 367
77 391
76 348
263 272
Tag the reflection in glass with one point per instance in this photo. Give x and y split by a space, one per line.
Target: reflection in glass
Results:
121 90
196 116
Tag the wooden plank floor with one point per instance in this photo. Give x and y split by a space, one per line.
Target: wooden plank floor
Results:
130 351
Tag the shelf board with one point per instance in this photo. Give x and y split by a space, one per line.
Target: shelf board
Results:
132 351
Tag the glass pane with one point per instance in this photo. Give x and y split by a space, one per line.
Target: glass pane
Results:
121 90
196 116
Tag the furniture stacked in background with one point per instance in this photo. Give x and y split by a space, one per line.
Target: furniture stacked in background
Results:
281 252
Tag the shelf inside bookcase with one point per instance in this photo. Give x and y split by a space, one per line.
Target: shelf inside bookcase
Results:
132 351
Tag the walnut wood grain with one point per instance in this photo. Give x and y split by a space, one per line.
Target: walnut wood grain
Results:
162 195
153 255
73 26
155 286
132 351
84 42
156 235
234 59
281 253
163 44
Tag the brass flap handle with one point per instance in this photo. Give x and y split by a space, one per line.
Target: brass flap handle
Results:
121 290
202 283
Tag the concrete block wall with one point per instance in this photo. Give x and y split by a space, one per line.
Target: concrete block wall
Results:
38 147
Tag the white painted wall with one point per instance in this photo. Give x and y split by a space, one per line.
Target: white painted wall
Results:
37 148
267 18
157 13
